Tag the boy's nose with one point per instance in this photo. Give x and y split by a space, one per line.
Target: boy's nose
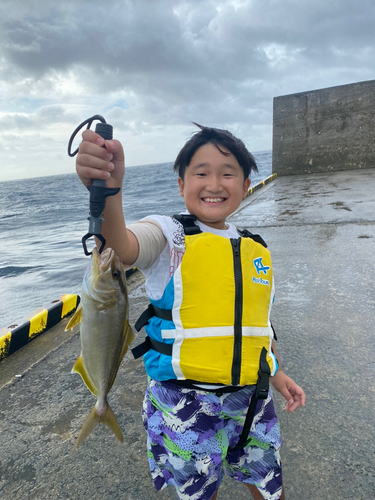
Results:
214 185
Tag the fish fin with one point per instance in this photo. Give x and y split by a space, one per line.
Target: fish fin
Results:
79 367
75 319
89 425
110 421
129 337
94 419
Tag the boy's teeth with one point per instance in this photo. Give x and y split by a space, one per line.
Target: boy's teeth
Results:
213 200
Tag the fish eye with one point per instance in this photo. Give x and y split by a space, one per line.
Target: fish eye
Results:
115 274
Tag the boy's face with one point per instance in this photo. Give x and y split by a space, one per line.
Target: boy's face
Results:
213 186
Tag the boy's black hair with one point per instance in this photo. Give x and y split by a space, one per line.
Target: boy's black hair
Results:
217 137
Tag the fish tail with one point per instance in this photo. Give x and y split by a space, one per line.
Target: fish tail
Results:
110 421
107 418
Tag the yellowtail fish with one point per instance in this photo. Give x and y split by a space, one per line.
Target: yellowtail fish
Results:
105 335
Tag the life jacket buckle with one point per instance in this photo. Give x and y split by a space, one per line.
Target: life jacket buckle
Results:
262 387
261 393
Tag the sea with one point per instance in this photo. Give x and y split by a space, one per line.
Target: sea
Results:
43 220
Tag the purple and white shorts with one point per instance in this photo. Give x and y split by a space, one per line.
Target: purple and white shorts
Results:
190 433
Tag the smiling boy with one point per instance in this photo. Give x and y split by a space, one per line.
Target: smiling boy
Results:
208 330
213 185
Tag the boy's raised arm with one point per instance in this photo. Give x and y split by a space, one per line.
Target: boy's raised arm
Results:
95 162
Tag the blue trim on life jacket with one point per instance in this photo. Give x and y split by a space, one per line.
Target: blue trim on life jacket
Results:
158 366
276 364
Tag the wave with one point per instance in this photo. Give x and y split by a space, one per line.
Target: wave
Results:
12 271
8 216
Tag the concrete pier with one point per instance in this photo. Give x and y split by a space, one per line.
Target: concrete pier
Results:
320 229
324 130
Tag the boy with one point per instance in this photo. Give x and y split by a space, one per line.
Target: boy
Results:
199 387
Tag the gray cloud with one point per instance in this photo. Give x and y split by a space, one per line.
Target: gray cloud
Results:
136 42
154 64
45 116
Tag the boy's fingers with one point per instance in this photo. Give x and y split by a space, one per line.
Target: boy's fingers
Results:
93 144
300 395
286 394
303 398
91 173
89 149
97 162
91 136
86 160
116 149
298 399
292 407
293 402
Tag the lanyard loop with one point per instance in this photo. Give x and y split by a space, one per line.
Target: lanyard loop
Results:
89 123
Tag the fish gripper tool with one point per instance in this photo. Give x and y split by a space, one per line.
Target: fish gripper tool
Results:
98 191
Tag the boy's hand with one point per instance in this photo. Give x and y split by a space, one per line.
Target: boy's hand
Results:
95 162
289 389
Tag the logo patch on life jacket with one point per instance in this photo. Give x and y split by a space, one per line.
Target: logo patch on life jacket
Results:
259 266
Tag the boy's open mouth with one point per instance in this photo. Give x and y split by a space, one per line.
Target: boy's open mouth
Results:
213 200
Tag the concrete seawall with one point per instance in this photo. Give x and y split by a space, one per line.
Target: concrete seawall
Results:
324 130
321 230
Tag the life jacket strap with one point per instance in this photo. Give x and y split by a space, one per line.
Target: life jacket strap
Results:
261 392
245 233
150 343
218 389
188 223
151 311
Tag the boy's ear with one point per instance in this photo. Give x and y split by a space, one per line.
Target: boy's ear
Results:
181 186
246 186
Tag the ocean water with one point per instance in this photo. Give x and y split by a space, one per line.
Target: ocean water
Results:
42 222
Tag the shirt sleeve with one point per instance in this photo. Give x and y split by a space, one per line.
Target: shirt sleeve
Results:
151 242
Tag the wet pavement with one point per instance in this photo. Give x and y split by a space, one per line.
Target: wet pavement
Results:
320 229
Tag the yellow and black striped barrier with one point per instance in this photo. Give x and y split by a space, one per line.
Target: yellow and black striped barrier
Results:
16 336
260 184
131 271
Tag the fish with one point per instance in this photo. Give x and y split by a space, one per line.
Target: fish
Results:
103 315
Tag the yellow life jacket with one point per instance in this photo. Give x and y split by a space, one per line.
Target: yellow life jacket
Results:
218 323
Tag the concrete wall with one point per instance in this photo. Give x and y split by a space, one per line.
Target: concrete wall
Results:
324 130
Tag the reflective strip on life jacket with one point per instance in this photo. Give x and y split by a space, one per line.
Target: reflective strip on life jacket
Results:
218 331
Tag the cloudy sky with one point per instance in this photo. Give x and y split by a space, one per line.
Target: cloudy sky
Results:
150 67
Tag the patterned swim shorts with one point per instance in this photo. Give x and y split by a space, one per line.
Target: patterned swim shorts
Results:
189 433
